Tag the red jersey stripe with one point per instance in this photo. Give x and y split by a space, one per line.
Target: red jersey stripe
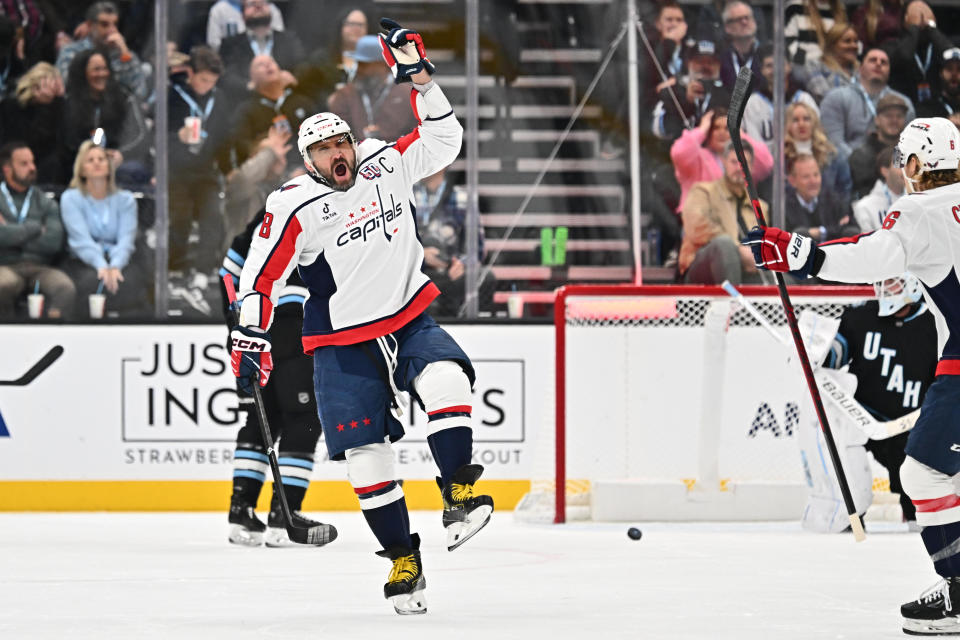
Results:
948 368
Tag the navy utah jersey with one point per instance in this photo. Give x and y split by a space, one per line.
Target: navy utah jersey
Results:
894 359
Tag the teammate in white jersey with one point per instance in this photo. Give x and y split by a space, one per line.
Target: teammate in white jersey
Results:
349 225
920 234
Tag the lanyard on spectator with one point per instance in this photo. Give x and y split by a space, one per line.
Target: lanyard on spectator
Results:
870 106
924 66
276 106
368 107
194 107
24 209
736 62
267 48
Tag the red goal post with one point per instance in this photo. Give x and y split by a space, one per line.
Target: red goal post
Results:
656 307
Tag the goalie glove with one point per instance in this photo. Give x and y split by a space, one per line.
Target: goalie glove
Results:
403 51
250 357
778 250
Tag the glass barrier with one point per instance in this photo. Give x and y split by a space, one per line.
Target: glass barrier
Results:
595 146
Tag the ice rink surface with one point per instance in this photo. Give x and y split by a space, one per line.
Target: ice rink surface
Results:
131 576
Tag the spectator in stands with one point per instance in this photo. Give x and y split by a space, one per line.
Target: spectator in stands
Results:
878 21
35 39
97 106
332 65
249 184
807 24
101 224
668 43
916 55
716 216
840 61
698 155
102 18
199 119
12 57
758 115
805 135
870 210
812 210
698 92
238 51
946 102
373 105
33 114
31 238
441 223
890 120
848 111
710 26
740 28
226 19
272 102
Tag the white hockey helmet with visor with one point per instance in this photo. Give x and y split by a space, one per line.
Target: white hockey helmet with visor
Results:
320 127
894 294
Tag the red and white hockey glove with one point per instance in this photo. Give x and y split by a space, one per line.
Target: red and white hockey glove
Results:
778 250
403 51
250 357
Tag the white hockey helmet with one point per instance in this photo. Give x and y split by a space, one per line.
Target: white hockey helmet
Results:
894 294
935 142
321 126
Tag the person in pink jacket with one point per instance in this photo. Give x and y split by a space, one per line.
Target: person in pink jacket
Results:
697 154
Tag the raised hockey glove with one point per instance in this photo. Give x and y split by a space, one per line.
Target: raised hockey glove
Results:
250 357
403 51
778 250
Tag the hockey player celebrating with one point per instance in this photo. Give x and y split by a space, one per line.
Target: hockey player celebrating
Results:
920 234
349 226
291 413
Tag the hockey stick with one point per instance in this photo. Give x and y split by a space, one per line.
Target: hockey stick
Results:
318 535
34 371
738 103
839 398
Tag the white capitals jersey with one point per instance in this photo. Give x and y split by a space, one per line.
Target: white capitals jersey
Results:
921 234
357 251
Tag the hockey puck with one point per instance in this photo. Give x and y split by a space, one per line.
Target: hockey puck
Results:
634 533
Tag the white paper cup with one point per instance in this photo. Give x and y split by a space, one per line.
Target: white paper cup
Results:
515 306
35 305
193 125
97 302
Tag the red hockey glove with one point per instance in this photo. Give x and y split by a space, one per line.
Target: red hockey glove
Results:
778 250
250 357
403 51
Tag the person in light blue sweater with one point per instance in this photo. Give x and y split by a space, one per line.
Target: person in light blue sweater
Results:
101 224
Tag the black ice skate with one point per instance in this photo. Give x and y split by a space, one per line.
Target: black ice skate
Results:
464 514
245 527
406 583
277 529
936 612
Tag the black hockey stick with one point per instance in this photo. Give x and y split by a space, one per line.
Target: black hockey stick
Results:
34 371
738 102
318 535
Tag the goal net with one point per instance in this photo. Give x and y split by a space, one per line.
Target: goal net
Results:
674 403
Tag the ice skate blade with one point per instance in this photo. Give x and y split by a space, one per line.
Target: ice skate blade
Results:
277 538
946 627
460 532
413 603
244 537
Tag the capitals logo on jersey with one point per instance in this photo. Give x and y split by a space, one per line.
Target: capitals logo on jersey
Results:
370 172
372 219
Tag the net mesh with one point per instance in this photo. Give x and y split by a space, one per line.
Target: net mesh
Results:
605 336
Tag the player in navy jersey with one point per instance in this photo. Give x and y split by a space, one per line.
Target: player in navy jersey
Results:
291 412
349 227
921 234
890 345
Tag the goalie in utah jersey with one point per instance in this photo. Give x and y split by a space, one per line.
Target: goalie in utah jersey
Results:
291 412
349 226
890 345
921 234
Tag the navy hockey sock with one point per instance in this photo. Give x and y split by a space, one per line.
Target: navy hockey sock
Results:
452 449
250 466
943 545
295 471
385 510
